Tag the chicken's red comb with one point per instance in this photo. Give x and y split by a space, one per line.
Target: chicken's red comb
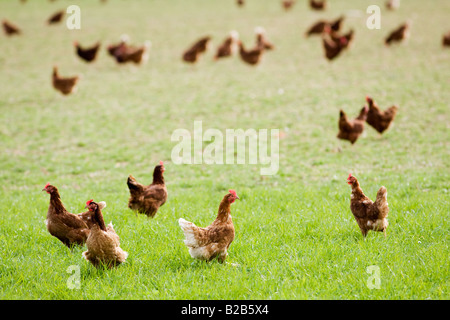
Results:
232 192
161 163
349 175
368 98
48 183
89 202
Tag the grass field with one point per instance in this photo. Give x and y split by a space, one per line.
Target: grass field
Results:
296 237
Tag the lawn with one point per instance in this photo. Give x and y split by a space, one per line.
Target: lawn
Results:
296 237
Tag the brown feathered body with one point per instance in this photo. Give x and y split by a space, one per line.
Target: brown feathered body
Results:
64 85
252 56
333 48
368 214
446 40
148 199
287 4
137 55
261 40
378 119
338 38
318 5
319 26
56 17
103 245
214 240
9 28
228 47
398 35
351 129
192 54
87 54
69 228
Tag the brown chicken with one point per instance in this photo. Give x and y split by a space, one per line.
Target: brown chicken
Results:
398 35
148 199
228 47
64 85
10 29
368 214
87 54
192 54
240 3
69 228
261 40
103 245
318 5
56 17
319 26
214 240
446 40
252 56
115 49
137 55
393 4
380 120
351 129
287 4
333 46
88 216
345 43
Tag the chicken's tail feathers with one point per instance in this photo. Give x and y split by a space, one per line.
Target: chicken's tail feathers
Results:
381 202
102 205
189 232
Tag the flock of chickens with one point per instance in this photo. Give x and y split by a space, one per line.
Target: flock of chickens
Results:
102 242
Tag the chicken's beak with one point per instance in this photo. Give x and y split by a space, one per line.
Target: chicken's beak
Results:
237 197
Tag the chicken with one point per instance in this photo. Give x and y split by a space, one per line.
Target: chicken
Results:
351 129
399 34
393 4
319 26
446 39
56 17
368 214
69 228
138 55
333 47
116 49
87 54
380 120
318 5
252 56
64 85
240 3
336 37
88 216
148 199
10 29
228 47
192 54
214 240
261 40
103 245
287 4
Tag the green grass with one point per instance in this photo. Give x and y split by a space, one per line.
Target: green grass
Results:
295 235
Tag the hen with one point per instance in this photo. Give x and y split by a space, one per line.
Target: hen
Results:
319 26
446 40
318 5
137 55
399 34
287 4
10 29
69 228
393 4
228 47
380 120
116 49
333 46
368 214
64 85
103 245
252 56
148 199
87 54
192 54
351 129
56 17
88 216
214 240
261 40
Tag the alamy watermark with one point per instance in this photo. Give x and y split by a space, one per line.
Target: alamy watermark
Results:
73 282
374 281
228 148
